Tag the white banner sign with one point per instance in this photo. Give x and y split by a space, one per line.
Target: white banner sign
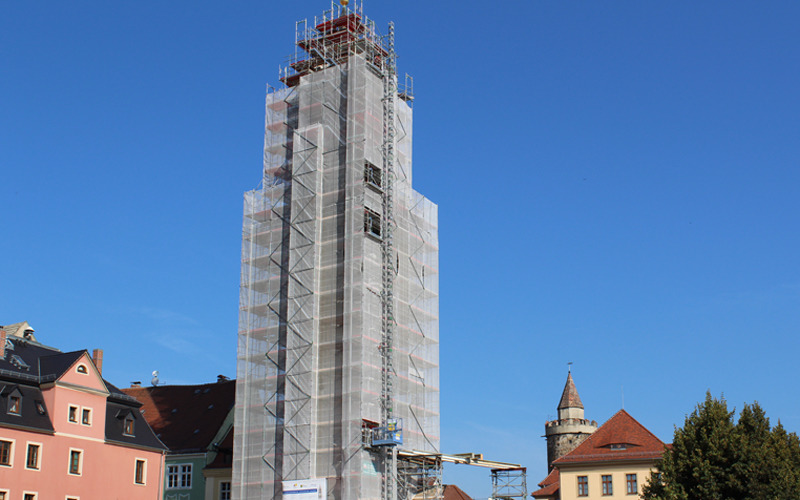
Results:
306 489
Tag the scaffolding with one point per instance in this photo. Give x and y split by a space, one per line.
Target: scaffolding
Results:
338 325
509 483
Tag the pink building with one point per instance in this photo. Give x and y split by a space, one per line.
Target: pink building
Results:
67 434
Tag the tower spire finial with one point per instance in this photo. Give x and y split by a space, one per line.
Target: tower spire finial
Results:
569 367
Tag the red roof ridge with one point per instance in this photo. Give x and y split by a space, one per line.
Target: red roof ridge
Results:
621 429
549 485
186 417
453 492
643 427
551 478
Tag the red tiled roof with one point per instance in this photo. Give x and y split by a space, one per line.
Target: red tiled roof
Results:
224 457
621 429
453 492
186 417
549 486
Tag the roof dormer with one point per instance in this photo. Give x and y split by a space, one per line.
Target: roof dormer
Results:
12 398
74 369
22 330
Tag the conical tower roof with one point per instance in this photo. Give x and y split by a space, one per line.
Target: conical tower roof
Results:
570 398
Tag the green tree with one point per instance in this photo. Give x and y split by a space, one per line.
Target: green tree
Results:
714 457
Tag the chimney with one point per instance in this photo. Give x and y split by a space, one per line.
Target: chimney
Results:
97 359
2 344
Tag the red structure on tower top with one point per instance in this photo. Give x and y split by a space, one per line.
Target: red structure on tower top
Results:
340 34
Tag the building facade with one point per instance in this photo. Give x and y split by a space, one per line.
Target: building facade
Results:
195 422
613 463
65 433
338 328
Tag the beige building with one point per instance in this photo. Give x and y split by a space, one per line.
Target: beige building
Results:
613 462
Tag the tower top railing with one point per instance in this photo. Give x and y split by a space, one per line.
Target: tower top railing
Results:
330 40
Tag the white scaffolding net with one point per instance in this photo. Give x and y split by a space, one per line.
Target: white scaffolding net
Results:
309 363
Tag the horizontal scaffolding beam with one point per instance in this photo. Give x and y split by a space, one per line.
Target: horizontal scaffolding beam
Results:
474 459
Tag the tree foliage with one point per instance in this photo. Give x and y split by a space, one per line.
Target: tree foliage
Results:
715 457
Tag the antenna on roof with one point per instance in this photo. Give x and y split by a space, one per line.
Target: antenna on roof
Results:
155 380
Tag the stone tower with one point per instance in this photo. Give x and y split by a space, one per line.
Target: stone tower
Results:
570 429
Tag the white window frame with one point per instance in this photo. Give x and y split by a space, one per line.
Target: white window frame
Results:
91 411
34 493
229 491
79 409
85 369
77 416
184 475
72 497
7 494
144 471
175 475
38 455
10 453
180 476
80 462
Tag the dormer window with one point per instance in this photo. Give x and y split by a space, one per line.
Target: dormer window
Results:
128 426
40 409
13 397
14 404
618 446
128 421
82 369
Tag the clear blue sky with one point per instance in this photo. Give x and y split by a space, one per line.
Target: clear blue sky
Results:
618 186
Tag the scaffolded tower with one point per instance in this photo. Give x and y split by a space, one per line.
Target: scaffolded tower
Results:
338 326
